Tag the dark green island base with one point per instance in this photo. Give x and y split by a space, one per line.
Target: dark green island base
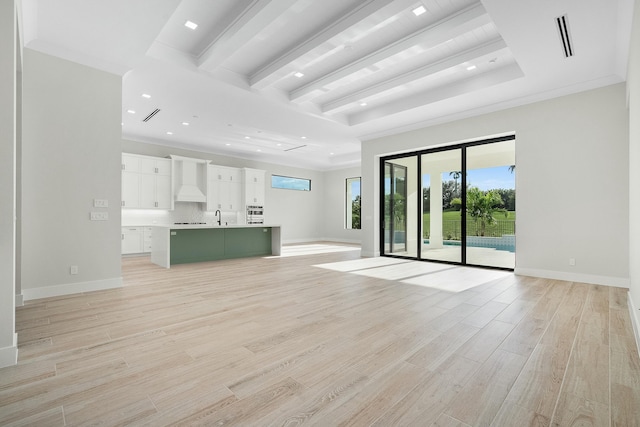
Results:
187 245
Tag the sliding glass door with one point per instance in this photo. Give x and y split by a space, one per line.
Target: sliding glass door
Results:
454 204
400 206
491 205
441 186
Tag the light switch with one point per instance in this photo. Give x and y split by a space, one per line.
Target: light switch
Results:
99 216
100 203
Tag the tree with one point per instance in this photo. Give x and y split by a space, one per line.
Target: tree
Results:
481 205
355 213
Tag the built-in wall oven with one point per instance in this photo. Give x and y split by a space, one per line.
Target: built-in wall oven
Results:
255 214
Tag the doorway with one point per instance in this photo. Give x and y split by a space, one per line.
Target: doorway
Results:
454 204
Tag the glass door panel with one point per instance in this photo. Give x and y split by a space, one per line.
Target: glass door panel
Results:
400 207
491 209
441 219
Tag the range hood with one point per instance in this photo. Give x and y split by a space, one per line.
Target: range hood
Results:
189 179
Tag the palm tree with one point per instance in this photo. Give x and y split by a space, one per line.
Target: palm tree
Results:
456 175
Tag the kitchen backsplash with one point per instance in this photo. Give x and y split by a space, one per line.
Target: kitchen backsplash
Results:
183 212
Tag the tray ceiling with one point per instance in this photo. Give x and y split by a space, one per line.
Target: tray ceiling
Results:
306 82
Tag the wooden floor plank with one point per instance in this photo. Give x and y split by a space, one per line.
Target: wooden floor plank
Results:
283 341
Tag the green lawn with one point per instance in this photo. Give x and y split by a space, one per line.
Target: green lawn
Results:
451 225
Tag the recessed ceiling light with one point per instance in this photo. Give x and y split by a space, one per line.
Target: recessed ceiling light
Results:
471 68
185 123
121 123
331 154
169 133
259 150
131 112
279 145
227 144
191 25
146 95
419 10
363 104
298 74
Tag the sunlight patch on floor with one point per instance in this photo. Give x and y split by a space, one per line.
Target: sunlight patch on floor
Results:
313 249
427 274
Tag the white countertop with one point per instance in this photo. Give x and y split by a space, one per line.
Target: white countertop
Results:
195 226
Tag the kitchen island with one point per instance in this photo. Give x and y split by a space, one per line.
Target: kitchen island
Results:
181 244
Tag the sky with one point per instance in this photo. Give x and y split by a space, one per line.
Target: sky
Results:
485 179
491 178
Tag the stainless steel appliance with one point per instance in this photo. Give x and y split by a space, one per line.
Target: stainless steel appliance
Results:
255 214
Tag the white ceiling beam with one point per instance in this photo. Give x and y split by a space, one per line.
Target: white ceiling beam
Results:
454 25
241 25
262 77
416 100
413 75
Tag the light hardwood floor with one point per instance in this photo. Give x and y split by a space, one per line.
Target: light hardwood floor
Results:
280 341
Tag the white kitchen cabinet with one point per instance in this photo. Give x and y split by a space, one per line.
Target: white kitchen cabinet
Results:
224 188
254 187
155 165
155 191
132 240
146 182
130 189
147 234
130 162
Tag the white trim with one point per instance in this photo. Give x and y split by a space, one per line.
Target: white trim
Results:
19 300
367 254
635 320
9 355
71 288
621 282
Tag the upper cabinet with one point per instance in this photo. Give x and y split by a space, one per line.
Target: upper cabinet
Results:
254 188
224 188
146 182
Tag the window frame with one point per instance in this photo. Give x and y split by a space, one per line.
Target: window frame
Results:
307 180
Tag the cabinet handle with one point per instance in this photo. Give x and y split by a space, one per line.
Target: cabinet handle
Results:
156 169
122 203
123 167
122 236
156 204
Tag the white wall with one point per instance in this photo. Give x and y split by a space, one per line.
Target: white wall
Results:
633 87
8 337
572 180
300 213
71 153
335 204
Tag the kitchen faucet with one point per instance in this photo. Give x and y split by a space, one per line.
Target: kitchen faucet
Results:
219 216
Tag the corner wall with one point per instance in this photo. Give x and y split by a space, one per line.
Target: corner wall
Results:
71 146
8 87
572 181
633 89
335 205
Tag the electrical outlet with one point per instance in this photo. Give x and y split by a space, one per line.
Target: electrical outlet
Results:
572 261
100 203
73 269
99 216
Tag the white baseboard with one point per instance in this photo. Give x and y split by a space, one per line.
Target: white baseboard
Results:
620 282
19 300
9 355
71 288
367 254
320 239
635 320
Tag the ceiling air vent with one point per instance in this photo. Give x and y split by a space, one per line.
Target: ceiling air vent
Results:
150 116
565 37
